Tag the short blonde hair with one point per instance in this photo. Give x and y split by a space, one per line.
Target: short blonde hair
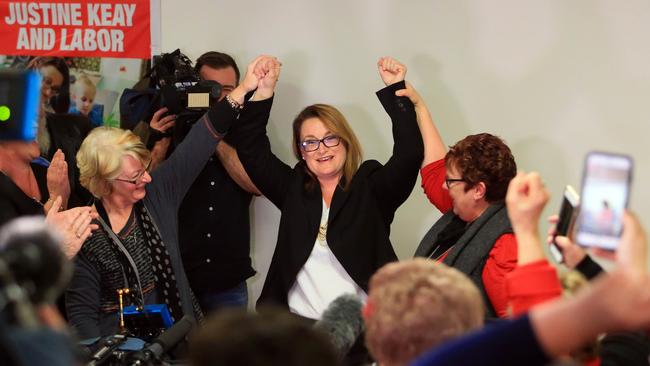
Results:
415 305
84 80
100 157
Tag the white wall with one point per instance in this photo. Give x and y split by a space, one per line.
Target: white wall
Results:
554 78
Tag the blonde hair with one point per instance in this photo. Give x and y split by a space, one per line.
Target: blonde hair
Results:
100 157
84 80
338 125
415 305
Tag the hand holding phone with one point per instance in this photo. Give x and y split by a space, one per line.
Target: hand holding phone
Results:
566 219
605 191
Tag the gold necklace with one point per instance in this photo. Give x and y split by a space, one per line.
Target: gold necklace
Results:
322 234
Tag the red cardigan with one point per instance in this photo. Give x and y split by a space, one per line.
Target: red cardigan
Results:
503 256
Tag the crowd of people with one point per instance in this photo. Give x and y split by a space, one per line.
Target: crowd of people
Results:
169 224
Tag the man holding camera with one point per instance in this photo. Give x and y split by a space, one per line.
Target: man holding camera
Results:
214 224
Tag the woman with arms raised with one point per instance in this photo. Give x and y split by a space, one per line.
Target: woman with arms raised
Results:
138 215
468 185
336 211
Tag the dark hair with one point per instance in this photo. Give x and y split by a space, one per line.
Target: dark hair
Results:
235 337
61 102
483 158
216 60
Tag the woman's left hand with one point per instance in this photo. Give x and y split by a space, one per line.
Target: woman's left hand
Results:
391 70
58 184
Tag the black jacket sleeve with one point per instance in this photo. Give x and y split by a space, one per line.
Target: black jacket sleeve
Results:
396 179
268 172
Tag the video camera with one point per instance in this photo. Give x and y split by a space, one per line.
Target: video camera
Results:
175 84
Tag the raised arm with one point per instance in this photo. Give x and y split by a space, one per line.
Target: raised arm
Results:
174 177
434 147
249 136
525 201
534 280
230 161
395 180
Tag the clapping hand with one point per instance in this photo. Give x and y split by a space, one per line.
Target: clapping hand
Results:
58 184
74 225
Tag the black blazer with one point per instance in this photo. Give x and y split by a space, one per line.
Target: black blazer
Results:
359 220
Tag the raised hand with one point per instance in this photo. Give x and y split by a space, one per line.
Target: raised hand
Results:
525 200
249 83
58 184
160 123
632 252
391 70
268 72
74 225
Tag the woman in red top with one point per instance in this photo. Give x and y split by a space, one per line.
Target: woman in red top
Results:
468 185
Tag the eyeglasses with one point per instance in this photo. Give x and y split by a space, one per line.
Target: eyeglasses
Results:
48 83
448 181
137 178
313 145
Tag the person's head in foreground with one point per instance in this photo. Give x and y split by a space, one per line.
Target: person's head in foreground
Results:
271 336
416 305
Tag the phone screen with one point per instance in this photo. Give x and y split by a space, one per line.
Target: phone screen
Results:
605 192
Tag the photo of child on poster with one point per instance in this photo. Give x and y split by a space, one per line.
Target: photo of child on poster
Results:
96 84
105 44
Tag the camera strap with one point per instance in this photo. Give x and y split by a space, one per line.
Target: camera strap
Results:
124 251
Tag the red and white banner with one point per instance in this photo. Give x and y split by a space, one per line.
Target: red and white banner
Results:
101 28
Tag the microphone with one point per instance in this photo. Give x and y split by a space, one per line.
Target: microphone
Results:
166 341
342 322
31 252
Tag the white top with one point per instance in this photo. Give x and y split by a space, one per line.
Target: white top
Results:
322 279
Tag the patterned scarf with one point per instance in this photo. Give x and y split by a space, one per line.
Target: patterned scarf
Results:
162 268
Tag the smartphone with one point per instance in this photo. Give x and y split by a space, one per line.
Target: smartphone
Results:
606 182
567 217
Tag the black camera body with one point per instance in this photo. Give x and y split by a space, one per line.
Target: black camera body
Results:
182 91
172 83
